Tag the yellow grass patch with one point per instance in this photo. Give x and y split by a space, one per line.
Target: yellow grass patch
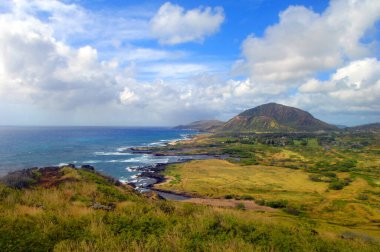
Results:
27 210
288 154
216 178
79 209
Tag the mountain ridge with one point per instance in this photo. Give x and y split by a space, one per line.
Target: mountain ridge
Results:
201 125
374 127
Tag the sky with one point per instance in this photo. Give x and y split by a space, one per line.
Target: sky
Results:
161 63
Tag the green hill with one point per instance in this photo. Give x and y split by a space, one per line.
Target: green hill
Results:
372 127
203 125
274 117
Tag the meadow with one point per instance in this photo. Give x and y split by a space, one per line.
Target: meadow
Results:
328 179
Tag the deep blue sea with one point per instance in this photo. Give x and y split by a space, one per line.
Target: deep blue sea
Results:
102 147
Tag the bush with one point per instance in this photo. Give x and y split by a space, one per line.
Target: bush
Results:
329 174
247 197
277 203
337 185
248 161
21 179
346 165
273 204
240 206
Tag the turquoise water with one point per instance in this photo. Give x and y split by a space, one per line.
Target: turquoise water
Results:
102 147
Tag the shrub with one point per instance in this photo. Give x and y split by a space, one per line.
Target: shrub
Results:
321 164
240 206
247 197
329 174
249 161
337 185
277 203
20 179
346 165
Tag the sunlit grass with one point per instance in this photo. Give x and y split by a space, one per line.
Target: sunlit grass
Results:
61 219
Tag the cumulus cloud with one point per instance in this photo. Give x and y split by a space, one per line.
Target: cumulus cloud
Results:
36 66
128 97
304 42
355 85
173 25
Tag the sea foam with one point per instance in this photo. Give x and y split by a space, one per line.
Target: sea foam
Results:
102 153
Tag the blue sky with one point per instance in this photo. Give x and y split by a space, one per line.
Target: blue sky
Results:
241 19
99 62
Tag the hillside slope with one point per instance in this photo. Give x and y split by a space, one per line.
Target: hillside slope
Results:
68 209
372 127
203 125
274 117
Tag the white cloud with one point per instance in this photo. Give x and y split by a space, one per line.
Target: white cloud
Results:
304 43
36 67
173 25
354 87
175 70
57 14
128 97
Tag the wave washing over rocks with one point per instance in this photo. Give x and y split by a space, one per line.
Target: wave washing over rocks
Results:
142 165
147 176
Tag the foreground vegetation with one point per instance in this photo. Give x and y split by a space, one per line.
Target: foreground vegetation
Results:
69 209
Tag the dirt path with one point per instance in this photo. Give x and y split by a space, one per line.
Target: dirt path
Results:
167 180
251 205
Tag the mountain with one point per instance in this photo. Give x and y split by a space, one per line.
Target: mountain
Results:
372 127
274 117
203 125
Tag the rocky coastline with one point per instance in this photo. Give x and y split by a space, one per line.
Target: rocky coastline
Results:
148 176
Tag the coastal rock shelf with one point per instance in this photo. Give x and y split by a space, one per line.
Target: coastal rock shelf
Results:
150 175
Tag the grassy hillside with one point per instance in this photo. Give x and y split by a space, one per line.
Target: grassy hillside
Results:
79 210
203 125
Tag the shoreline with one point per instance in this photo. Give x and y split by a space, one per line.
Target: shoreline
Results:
148 175
151 175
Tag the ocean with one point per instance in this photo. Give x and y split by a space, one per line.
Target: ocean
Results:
101 147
